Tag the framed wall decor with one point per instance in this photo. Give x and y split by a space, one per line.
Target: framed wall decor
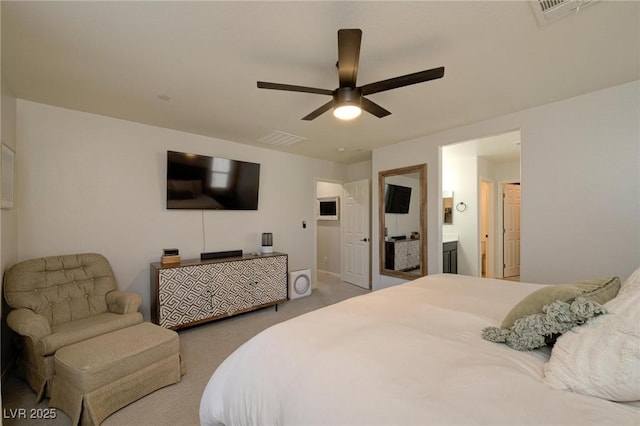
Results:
6 170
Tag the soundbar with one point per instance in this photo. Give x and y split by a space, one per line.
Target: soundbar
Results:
220 254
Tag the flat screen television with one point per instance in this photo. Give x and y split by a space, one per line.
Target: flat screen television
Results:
328 208
397 199
211 183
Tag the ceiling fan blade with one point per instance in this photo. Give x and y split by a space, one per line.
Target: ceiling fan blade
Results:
404 80
293 88
374 108
348 56
324 108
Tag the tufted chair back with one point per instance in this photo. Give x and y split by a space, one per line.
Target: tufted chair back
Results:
61 288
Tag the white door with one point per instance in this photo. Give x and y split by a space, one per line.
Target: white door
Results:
356 253
511 219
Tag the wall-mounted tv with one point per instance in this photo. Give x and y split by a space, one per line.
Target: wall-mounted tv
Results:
328 208
211 183
397 199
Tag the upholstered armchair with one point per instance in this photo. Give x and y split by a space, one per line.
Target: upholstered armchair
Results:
60 300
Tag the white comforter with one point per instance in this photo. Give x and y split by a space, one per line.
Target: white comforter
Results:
407 355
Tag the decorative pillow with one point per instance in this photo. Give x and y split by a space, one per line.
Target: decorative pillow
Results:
631 284
599 291
602 358
533 331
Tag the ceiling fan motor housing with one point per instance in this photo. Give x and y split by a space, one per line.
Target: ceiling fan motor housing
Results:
347 96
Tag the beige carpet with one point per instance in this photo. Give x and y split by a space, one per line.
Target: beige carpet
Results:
203 348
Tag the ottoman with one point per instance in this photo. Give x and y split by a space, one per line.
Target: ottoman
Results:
98 376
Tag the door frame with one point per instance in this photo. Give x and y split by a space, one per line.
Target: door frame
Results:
488 207
314 272
315 228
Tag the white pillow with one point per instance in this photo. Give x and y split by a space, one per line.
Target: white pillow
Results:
631 284
602 357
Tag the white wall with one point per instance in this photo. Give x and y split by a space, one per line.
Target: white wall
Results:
580 174
505 171
359 171
581 186
89 183
329 233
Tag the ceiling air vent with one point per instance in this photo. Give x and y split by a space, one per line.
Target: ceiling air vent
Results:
278 138
549 10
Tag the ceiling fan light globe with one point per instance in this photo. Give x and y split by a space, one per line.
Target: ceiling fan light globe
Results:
347 112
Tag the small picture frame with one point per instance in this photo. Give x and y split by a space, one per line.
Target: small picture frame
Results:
6 176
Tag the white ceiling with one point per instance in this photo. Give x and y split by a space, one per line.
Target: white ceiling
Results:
124 59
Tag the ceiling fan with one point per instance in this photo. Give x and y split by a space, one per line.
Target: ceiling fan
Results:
348 100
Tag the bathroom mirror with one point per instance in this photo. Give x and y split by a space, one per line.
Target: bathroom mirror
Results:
447 206
402 209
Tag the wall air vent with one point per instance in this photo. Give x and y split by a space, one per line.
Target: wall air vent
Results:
550 10
281 139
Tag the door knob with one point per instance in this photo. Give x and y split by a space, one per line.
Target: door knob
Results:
364 239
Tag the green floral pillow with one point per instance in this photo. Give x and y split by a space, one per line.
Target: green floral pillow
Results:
542 316
599 291
534 331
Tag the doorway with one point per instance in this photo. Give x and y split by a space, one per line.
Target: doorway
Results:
328 231
343 247
474 172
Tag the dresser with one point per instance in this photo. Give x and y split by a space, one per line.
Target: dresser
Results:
402 255
195 291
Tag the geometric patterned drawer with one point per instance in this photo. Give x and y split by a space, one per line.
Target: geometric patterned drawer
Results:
413 254
184 294
195 293
271 280
403 254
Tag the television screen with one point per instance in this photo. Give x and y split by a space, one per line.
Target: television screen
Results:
328 208
397 199
211 183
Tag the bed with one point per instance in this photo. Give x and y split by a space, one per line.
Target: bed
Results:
407 355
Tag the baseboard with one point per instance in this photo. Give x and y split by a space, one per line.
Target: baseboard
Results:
333 274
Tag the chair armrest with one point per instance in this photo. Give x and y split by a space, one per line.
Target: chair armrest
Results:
121 302
25 322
